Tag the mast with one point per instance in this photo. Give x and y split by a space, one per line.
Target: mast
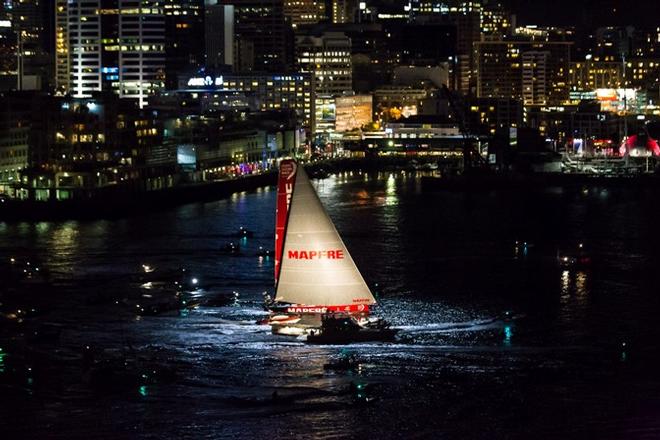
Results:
285 185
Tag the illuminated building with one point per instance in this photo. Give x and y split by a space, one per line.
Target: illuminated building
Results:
468 29
484 116
465 17
421 127
325 115
261 26
643 73
24 61
645 43
184 30
534 77
68 142
613 42
495 20
394 102
302 12
116 45
328 58
399 95
263 92
62 55
343 11
592 74
14 142
501 69
8 60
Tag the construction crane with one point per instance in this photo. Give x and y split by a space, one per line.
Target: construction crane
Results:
471 157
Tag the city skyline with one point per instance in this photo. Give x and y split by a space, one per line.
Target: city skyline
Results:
346 219
368 75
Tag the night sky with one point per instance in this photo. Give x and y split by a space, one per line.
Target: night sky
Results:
592 13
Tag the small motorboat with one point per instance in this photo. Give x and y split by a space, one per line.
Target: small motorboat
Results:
339 328
221 300
576 258
244 233
264 252
346 362
232 248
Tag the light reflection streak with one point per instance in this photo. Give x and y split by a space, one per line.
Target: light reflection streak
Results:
65 245
575 290
391 197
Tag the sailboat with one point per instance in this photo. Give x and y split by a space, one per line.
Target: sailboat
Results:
319 289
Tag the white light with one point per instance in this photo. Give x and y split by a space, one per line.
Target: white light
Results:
195 280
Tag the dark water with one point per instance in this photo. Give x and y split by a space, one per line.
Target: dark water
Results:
496 341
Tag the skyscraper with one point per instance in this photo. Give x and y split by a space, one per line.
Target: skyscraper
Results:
328 58
505 67
62 54
219 35
261 25
301 12
184 36
25 43
116 45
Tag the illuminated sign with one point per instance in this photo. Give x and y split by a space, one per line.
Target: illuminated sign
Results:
206 81
606 95
352 112
5 23
326 111
619 100
616 94
513 136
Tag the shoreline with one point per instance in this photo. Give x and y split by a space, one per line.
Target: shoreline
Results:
118 202
488 182
126 203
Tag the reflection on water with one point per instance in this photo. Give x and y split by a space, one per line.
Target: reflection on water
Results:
575 290
493 340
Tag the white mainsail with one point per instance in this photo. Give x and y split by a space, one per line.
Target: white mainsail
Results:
316 267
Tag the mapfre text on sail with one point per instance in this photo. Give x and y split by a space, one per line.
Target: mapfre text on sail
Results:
336 254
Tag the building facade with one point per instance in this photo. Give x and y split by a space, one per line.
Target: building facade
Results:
261 33
502 71
263 92
111 45
328 58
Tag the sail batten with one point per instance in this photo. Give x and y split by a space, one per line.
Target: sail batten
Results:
315 267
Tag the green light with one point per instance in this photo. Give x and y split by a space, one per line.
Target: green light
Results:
143 391
508 333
